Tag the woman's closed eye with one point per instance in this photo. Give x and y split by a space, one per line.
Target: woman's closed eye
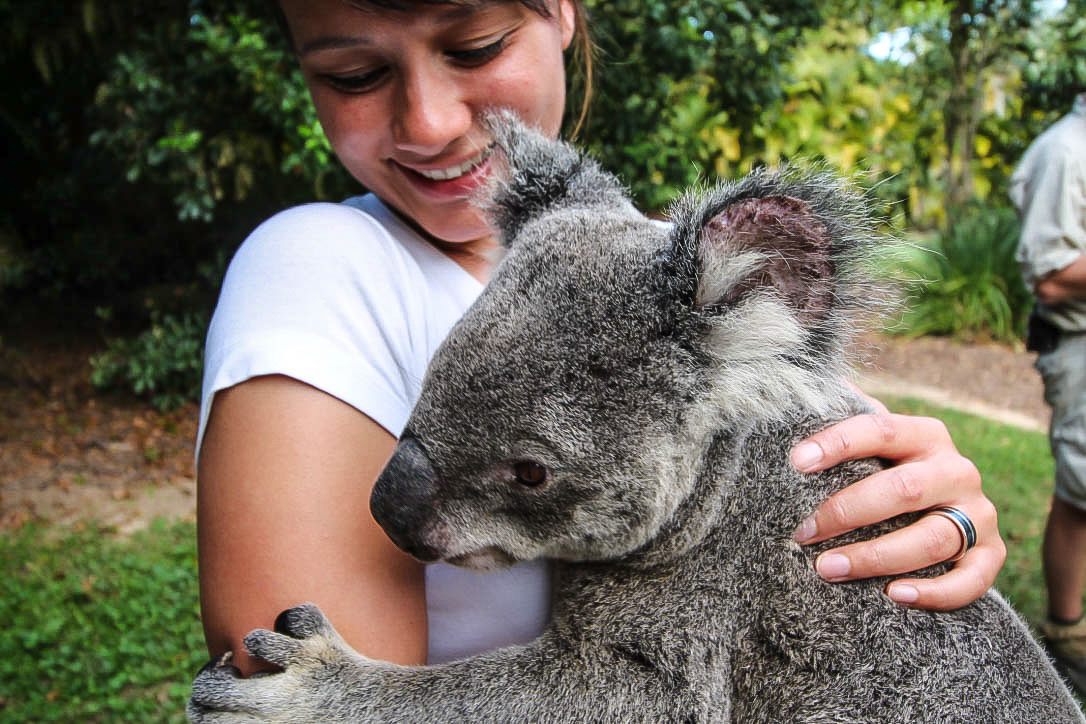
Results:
361 82
357 82
472 57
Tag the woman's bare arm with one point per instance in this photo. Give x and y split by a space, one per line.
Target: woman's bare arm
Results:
284 480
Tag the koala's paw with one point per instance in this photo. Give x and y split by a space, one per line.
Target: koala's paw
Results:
316 663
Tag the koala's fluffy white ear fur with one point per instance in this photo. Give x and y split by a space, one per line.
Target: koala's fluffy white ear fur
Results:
770 263
533 175
771 242
795 234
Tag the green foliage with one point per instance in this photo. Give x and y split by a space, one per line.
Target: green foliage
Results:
946 118
974 43
98 628
969 284
683 85
187 111
844 109
164 363
957 71
169 112
1057 67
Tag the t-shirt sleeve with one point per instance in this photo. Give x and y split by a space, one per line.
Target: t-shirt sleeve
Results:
320 293
1053 228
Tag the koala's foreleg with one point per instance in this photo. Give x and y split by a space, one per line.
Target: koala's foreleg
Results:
323 679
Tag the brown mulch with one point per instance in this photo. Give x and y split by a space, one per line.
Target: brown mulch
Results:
984 377
68 453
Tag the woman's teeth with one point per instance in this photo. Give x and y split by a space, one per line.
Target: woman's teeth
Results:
445 174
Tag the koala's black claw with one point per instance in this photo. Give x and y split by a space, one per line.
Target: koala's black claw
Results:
300 622
282 623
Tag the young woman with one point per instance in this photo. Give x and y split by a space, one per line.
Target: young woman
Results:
330 312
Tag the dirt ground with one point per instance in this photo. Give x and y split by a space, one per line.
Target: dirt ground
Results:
68 453
988 379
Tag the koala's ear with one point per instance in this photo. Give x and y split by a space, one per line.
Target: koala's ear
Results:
535 175
772 231
787 248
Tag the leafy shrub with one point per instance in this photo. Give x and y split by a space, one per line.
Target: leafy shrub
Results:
169 113
684 84
193 113
98 628
164 363
968 284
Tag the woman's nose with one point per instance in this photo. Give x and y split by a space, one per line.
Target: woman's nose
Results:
432 113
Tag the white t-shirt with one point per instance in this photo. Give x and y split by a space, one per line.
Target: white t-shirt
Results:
349 299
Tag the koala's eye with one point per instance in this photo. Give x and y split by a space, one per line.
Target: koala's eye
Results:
529 473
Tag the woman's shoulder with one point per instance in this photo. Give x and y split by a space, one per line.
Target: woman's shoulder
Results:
312 233
323 266
323 293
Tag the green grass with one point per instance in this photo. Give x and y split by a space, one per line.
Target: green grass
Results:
101 628
98 628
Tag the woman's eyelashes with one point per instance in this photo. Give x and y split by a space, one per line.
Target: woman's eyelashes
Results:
361 82
479 56
357 82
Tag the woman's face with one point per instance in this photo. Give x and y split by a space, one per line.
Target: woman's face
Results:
400 95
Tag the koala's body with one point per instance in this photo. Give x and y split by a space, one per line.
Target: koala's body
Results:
622 399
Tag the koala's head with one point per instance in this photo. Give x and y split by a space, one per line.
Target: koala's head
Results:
566 413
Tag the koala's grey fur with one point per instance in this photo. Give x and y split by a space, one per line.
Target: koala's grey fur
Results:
659 374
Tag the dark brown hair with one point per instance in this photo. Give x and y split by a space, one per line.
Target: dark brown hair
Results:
582 64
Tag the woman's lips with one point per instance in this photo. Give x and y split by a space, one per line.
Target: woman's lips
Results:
452 172
454 181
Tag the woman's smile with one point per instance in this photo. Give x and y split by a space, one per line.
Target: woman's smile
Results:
453 181
457 170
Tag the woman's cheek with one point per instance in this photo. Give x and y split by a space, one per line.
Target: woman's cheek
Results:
542 108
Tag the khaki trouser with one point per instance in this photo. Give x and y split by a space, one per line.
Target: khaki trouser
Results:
1064 373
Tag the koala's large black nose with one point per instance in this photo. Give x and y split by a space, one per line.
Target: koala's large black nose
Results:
403 499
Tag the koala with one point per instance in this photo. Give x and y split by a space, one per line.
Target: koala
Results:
622 400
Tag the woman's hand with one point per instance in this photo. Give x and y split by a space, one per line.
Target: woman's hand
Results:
928 471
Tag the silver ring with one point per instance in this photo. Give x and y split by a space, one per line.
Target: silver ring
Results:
965 528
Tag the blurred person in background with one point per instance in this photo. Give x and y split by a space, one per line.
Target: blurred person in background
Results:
1049 190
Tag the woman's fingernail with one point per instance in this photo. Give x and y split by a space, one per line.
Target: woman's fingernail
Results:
902 593
832 566
806 530
806 455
